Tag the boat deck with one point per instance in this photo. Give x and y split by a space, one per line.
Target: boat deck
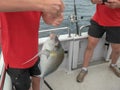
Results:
99 77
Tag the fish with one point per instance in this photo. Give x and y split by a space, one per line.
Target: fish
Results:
52 55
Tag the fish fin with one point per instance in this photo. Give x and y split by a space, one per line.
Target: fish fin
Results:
46 52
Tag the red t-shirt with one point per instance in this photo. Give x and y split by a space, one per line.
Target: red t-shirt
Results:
19 38
106 16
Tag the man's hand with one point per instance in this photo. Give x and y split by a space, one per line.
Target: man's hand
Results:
51 20
113 3
52 12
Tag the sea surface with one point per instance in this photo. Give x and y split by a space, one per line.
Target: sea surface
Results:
85 9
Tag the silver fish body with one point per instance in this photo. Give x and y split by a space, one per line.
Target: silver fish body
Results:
51 57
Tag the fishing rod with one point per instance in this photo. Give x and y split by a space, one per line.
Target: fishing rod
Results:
76 19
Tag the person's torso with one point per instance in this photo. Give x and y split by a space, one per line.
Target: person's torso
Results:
106 16
19 37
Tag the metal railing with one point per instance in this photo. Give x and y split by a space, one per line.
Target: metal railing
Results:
57 29
82 28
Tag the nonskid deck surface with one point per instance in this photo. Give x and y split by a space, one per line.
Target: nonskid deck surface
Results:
99 77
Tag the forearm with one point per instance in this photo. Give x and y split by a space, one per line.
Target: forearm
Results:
93 1
96 1
20 5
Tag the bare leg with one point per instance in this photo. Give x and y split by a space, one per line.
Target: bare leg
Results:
114 56
92 42
35 83
115 53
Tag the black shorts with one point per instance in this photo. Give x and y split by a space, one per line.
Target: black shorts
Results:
112 33
21 77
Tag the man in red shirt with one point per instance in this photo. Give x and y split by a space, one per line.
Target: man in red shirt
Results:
19 37
106 19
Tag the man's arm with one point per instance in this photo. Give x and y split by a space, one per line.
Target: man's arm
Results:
96 1
16 5
49 6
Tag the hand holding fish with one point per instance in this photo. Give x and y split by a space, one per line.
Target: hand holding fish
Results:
53 20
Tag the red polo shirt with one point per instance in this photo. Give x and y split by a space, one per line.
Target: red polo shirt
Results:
19 38
106 16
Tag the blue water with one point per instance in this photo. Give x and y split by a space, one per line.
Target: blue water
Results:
85 10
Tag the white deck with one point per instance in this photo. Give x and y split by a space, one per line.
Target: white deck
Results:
99 77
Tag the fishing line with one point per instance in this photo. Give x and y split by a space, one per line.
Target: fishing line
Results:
75 12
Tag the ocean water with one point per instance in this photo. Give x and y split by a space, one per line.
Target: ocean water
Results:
85 9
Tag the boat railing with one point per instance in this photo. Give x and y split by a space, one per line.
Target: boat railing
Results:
82 28
57 29
3 74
